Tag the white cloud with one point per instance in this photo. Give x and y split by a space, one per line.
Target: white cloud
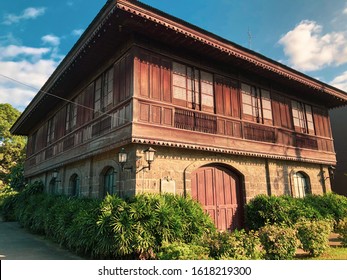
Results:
51 39
26 78
345 11
17 97
29 13
23 71
308 49
77 32
340 81
12 51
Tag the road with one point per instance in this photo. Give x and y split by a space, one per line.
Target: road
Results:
17 243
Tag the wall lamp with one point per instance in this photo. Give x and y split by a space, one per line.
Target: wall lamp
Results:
122 159
55 174
331 171
149 157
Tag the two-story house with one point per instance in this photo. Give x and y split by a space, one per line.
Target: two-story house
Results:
226 123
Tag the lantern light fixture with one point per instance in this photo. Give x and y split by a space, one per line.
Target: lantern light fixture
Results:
149 156
123 159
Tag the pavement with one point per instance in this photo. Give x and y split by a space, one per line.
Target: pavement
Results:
16 243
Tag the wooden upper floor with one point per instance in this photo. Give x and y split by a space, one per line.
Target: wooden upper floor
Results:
150 96
140 75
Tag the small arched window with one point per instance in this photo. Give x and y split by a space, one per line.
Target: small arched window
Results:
75 185
301 184
52 188
109 181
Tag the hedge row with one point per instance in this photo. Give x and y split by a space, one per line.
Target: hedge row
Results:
151 226
112 228
287 210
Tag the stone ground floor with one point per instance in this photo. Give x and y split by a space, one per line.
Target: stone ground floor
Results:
221 182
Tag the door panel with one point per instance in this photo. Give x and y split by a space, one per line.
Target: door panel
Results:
219 192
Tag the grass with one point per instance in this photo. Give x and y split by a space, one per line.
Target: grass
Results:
335 252
332 253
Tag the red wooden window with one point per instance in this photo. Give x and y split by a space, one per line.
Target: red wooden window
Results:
51 130
71 115
322 122
302 117
31 147
281 111
122 85
227 97
60 120
86 112
192 88
256 104
103 92
152 76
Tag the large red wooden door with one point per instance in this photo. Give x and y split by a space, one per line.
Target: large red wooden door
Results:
219 192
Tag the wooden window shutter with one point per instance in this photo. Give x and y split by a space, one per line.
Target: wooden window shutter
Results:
218 89
166 80
88 104
60 121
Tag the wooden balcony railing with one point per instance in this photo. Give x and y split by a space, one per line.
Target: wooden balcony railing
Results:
259 133
306 142
196 121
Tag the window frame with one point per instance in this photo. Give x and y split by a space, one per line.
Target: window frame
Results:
191 87
253 98
302 115
301 184
103 91
51 130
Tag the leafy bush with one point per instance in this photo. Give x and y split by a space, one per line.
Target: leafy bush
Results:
182 251
329 205
279 242
8 199
314 235
237 245
140 226
342 230
287 210
113 228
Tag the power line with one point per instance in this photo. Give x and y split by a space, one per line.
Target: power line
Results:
61 98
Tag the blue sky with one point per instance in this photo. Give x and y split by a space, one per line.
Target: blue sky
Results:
308 35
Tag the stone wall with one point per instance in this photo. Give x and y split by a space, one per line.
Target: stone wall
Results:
172 168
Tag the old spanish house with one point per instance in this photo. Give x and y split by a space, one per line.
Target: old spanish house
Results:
145 102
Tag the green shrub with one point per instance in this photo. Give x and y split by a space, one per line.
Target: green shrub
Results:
314 235
287 210
8 200
113 228
82 233
237 245
329 205
342 231
138 228
279 242
182 251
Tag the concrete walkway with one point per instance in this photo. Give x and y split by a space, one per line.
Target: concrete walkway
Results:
18 244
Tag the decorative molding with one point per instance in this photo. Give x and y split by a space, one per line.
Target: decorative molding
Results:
224 151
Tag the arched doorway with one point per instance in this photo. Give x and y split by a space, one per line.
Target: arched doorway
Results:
219 191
